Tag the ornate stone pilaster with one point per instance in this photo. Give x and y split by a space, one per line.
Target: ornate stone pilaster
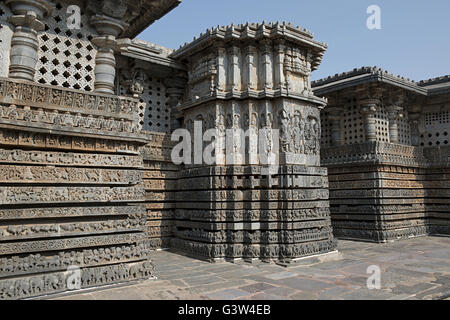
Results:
221 68
24 43
235 68
250 56
335 119
394 113
280 81
368 110
105 61
266 53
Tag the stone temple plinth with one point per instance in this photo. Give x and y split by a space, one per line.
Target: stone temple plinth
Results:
266 195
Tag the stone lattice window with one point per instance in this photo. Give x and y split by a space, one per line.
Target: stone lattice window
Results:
437 129
404 130
352 124
157 112
382 125
326 130
66 57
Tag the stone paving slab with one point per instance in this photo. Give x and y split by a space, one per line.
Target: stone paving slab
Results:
411 269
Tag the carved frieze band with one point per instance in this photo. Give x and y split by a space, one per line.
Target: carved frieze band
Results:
51 175
21 265
70 212
69 159
42 140
51 283
40 195
65 100
70 243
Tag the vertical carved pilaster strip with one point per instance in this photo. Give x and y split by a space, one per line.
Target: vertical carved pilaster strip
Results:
235 69
266 52
251 68
279 66
221 69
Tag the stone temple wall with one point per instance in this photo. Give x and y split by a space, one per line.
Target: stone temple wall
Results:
387 192
71 192
383 191
385 144
239 207
160 181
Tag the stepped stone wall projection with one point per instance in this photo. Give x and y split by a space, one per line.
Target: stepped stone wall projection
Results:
385 141
88 182
254 77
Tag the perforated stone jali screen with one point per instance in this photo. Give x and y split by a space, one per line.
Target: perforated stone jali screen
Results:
66 57
437 129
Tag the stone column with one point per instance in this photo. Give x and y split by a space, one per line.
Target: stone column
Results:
335 119
394 113
24 43
368 110
105 62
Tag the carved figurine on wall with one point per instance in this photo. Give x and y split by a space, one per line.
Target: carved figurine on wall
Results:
298 133
266 126
137 82
285 131
312 135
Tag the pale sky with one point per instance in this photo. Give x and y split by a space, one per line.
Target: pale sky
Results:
414 40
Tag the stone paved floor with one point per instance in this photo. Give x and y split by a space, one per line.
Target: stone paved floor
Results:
411 269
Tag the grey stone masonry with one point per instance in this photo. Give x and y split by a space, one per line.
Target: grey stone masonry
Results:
385 141
253 78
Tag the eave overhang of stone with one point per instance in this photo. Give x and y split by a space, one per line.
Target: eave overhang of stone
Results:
360 77
148 53
253 32
437 86
148 14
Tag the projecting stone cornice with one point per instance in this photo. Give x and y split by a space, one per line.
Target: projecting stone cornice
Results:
362 76
146 13
436 86
149 52
254 32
